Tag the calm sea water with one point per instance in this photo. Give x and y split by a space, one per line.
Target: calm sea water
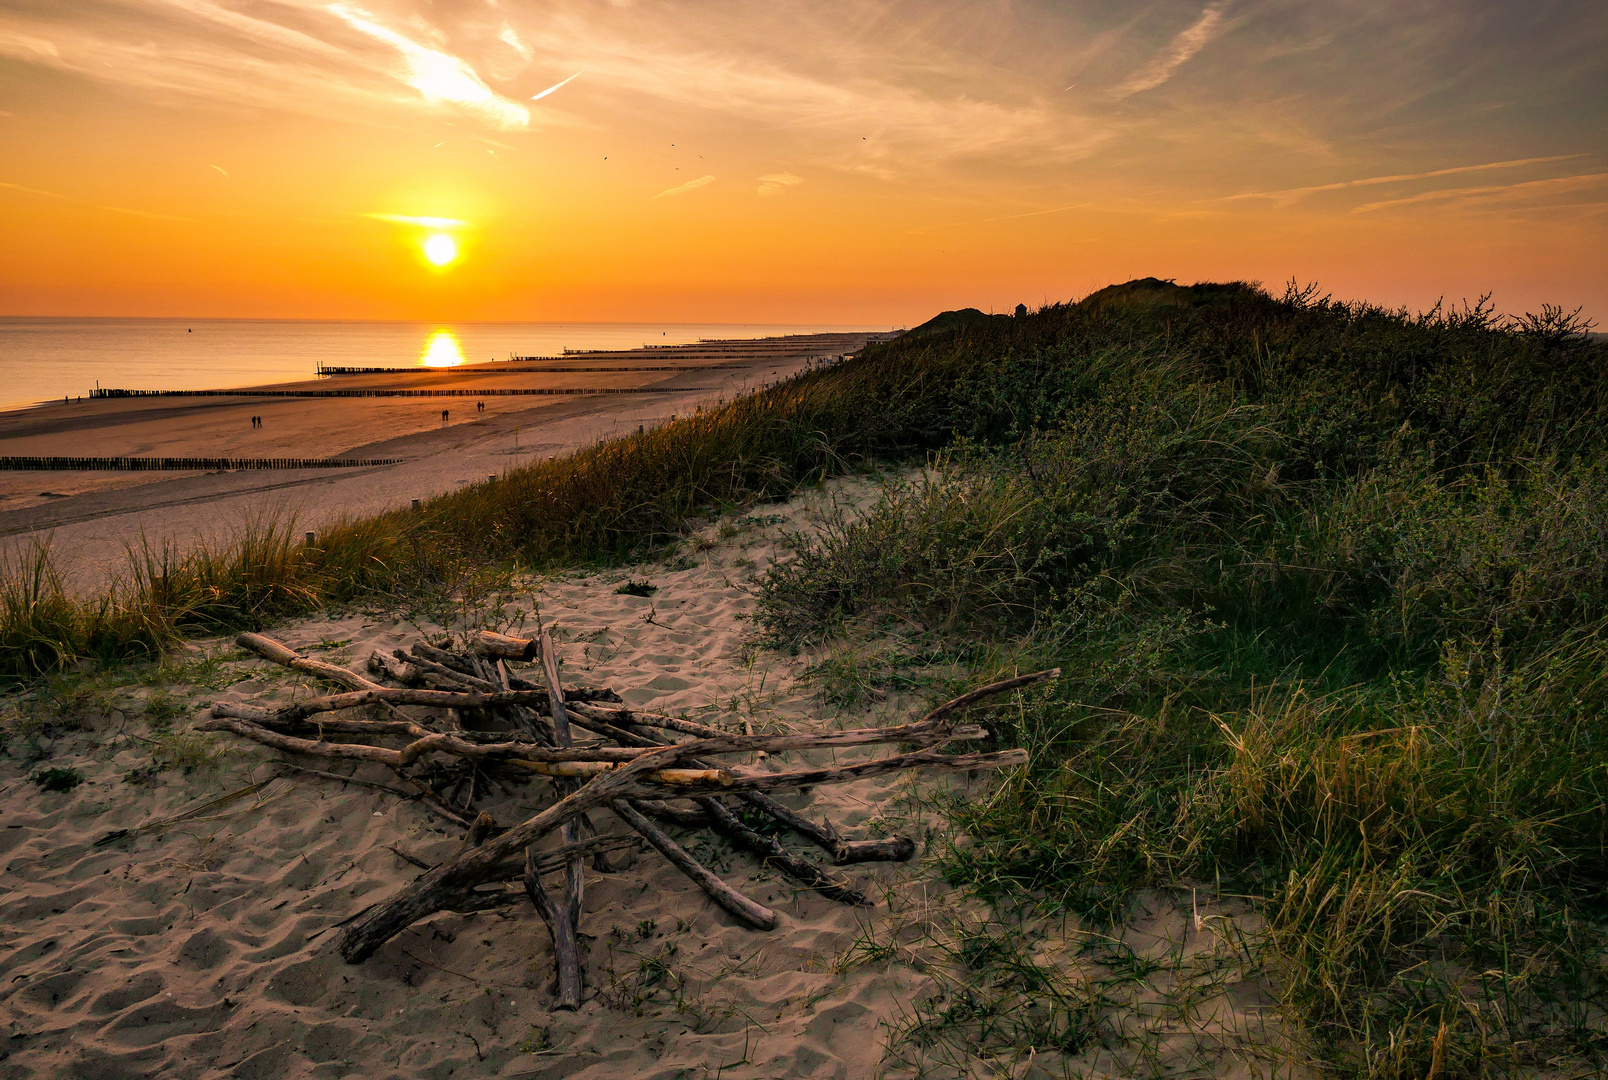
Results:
44 359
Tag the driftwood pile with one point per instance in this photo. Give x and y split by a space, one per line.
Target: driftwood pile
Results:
488 723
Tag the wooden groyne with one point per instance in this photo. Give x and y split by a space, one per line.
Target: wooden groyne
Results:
555 391
487 369
180 464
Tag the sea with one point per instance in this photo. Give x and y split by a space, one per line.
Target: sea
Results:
46 359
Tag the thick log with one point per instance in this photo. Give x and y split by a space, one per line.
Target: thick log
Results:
566 948
749 911
503 646
771 852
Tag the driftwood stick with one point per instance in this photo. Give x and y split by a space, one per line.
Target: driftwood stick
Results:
574 883
443 657
527 720
446 742
622 717
405 857
269 649
349 780
481 830
434 801
405 672
821 834
972 697
443 672
771 852
504 647
565 947
665 812
749 911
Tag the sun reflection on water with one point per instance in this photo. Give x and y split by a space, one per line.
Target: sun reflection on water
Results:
441 350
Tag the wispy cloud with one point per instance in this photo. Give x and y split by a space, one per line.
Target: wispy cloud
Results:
777 183
438 75
1287 196
1180 51
1493 193
424 222
682 189
38 193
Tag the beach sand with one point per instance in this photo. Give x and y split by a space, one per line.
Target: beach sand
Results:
89 517
204 948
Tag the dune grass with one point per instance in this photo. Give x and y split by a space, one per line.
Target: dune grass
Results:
1328 583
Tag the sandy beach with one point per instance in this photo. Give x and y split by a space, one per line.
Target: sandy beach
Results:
203 947
89 516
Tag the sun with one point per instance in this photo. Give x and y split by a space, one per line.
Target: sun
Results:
440 250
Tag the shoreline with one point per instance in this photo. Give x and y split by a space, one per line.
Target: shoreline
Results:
89 517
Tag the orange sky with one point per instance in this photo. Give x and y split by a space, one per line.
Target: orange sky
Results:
842 162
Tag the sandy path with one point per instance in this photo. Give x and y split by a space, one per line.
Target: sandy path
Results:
203 949
90 516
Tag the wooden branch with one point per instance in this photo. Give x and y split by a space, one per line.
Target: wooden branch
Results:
349 780
822 835
445 673
503 647
555 693
574 882
565 947
604 757
747 780
269 649
889 849
665 812
749 911
447 659
771 852
623 717
434 801
972 697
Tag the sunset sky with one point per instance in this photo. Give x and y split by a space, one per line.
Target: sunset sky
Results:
843 162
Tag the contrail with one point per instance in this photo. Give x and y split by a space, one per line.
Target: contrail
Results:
555 86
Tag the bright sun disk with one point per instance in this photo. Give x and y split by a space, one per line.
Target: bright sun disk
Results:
440 249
